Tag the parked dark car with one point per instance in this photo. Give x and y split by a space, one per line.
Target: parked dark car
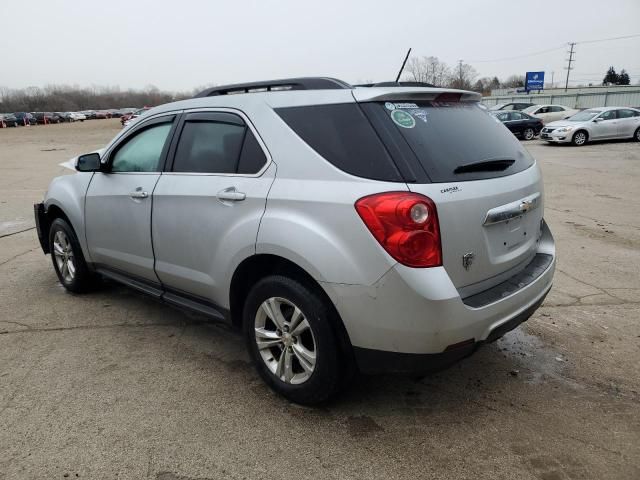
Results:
520 124
512 106
116 113
102 114
90 114
9 120
64 116
25 118
47 117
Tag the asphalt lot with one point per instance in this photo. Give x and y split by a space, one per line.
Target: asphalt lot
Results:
115 385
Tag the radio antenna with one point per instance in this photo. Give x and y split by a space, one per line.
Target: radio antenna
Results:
403 64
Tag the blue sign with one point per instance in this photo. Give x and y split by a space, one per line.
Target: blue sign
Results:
534 81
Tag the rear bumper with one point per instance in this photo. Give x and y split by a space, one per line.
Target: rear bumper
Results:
417 320
42 226
382 362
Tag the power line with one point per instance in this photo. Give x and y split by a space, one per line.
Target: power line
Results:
532 54
518 56
610 38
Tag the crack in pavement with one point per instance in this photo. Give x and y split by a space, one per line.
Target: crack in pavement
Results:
574 214
18 255
15 233
84 327
577 303
601 290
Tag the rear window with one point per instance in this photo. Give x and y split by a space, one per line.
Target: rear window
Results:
452 141
342 135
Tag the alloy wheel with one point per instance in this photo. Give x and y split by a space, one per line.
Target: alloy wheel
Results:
580 138
529 134
285 340
63 253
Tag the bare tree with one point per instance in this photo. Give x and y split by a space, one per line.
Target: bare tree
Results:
63 98
462 76
514 81
484 85
428 70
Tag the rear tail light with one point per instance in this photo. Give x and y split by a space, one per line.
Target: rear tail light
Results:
406 225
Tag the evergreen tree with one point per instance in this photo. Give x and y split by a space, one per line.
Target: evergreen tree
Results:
623 78
611 78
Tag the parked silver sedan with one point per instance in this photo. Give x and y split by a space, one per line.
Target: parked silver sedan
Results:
604 123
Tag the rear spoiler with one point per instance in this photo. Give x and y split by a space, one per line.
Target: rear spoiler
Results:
408 94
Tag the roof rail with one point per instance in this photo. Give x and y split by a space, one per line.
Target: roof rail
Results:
396 84
304 83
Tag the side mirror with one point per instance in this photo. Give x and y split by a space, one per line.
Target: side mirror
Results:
89 162
598 119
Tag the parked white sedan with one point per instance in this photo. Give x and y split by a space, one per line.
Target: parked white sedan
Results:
77 117
550 113
594 124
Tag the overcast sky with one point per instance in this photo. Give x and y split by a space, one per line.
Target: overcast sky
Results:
182 44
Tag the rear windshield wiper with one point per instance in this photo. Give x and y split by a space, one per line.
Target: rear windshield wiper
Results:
485 166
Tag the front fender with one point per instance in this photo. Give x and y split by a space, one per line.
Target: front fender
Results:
68 194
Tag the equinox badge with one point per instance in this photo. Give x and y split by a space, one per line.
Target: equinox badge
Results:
467 260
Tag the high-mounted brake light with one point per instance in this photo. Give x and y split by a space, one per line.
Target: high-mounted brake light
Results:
406 225
448 97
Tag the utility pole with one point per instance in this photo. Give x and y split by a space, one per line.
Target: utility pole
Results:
552 84
460 74
568 67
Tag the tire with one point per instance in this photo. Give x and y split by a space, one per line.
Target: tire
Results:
636 135
304 334
68 260
529 134
579 138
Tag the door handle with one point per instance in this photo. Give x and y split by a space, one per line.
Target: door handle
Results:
231 195
139 194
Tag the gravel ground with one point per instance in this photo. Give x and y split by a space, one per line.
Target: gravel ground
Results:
115 385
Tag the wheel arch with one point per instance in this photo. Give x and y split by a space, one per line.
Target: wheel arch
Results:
254 268
583 130
54 211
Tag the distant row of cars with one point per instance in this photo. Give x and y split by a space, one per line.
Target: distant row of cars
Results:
560 124
18 119
125 120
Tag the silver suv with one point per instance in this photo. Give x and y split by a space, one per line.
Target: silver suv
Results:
374 229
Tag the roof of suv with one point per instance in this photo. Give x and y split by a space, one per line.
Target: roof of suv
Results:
309 91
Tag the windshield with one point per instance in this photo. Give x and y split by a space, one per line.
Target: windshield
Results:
531 109
584 115
433 132
498 106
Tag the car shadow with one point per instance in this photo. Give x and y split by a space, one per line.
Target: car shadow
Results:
589 143
490 379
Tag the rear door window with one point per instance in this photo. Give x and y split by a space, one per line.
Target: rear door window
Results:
452 141
627 113
217 143
209 147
